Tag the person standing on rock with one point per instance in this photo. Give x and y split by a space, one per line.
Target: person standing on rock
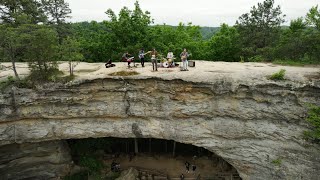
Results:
182 177
187 164
184 58
154 54
141 56
194 167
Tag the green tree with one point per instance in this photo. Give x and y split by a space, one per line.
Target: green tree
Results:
10 45
128 29
17 12
260 28
70 51
57 11
41 51
313 17
224 44
293 43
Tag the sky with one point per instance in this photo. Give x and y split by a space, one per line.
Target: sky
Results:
200 12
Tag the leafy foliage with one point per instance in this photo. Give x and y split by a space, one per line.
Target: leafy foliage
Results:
91 163
277 162
41 51
70 51
224 44
260 28
313 17
278 75
314 119
18 12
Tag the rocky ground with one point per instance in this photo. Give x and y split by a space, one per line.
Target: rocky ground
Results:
204 71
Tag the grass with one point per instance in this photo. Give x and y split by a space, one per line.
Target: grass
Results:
124 73
277 162
278 75
295 62
314 119
12 81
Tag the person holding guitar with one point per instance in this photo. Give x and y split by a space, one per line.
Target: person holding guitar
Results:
127 58
141 56
184 58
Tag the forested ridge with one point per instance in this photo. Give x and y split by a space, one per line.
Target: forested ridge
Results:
38 32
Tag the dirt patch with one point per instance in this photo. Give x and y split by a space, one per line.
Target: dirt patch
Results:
313 76
124 73
165 164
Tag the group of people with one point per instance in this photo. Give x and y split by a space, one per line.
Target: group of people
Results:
188 167
168 63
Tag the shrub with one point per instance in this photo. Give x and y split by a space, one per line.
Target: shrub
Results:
314 119
256 58
278 75
277 162
93 164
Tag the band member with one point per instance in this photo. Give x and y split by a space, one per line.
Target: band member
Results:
127 57
170 58
184 58
141 56
154 54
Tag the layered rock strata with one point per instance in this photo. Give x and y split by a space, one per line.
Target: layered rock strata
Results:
256 127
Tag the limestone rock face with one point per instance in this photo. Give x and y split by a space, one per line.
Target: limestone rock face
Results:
256 126
130 174
45 160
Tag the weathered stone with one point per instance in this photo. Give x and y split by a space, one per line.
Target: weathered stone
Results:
130 174
45 160
250 124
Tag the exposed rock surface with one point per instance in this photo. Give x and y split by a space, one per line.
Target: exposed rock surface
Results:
256 125
45 160
130 174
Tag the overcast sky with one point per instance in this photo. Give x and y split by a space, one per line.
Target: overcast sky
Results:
199 12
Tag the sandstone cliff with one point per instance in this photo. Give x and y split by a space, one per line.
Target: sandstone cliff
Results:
255 125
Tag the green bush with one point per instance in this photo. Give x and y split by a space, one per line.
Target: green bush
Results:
5 83
314 119
257 58
93 164
278 75
277 162
78 176
50 75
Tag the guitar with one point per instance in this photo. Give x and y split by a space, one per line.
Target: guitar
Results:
140 55
185 57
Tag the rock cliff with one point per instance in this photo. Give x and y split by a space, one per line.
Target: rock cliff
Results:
256 126
45 160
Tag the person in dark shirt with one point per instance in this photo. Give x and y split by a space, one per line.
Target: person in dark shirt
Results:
127 57
141 56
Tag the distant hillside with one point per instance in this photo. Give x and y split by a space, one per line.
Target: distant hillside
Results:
208 32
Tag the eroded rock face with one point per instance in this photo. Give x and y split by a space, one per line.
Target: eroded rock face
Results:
256 127
130 174
45 160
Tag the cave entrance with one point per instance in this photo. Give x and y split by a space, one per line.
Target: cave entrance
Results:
105 158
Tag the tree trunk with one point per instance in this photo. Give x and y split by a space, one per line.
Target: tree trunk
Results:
150 145
136 148
174 149
166 146
14 68
70 68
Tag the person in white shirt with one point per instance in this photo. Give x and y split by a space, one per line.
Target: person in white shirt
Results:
170 58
